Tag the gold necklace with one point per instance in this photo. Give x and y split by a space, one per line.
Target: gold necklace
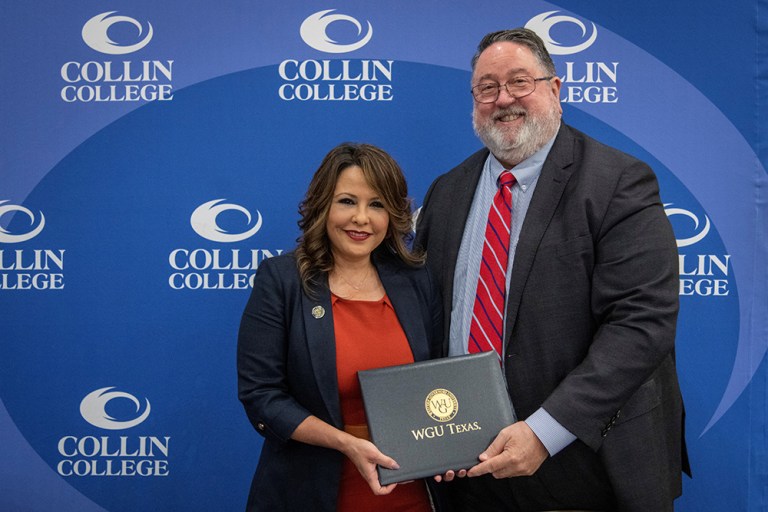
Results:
355 287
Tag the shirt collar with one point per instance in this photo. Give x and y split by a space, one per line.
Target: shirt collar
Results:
527 171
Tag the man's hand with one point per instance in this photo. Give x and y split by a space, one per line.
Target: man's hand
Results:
516 451
450 475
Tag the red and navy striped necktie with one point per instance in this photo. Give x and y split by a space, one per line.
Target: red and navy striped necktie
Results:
487 328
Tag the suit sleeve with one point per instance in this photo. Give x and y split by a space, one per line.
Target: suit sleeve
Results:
436 317
421 241
634 304
262 347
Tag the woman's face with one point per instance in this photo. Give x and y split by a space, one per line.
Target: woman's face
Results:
357 220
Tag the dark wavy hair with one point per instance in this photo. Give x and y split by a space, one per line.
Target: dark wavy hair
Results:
384 176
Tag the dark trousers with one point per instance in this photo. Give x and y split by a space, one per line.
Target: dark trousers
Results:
578 483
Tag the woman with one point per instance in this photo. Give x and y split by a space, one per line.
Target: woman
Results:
350 297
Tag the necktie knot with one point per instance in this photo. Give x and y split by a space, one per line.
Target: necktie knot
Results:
506 179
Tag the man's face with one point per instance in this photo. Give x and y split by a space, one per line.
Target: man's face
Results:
514 129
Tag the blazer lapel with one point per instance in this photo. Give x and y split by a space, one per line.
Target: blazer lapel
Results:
455 212
318 322
549 189
407 308
318 325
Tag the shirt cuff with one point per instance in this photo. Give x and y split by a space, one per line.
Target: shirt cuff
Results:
552 434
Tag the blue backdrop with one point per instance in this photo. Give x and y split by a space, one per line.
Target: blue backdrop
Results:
153 155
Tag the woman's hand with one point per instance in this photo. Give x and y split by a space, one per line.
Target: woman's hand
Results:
363 453
365 456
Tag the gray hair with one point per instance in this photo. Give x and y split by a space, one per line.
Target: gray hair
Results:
521 36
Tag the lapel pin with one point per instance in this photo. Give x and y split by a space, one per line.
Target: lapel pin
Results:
318 312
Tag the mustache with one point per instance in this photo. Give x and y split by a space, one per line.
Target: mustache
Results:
513 110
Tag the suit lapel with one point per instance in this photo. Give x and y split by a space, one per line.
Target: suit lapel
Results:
318 322
407 308
318 325
455 214
554 176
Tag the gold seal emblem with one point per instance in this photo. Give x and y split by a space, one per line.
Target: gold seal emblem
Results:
318 312
441 405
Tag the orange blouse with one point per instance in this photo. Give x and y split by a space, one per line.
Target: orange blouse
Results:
369 335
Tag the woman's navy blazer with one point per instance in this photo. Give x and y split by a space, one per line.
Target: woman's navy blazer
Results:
286 362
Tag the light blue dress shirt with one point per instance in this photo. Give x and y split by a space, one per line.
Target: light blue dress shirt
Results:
554 436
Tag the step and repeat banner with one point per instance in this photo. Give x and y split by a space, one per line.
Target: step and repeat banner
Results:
154 154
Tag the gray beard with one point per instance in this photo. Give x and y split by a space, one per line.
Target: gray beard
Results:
531 137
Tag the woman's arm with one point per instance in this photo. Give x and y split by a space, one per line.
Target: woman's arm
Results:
363 454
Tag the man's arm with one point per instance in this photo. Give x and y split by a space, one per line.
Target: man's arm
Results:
634 300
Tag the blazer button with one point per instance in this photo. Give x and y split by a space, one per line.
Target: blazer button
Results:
261 427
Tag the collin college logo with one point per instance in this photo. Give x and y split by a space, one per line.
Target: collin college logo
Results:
207 268
583 81
335 80
112 455
28 269
204 223
36 226
93 409
700 229
96 34
543 23
700 274
107 81
314 32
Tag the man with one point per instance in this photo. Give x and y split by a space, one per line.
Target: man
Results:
589 309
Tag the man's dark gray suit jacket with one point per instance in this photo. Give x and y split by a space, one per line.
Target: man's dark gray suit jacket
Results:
591 313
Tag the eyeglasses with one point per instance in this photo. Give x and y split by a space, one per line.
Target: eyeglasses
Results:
518 87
